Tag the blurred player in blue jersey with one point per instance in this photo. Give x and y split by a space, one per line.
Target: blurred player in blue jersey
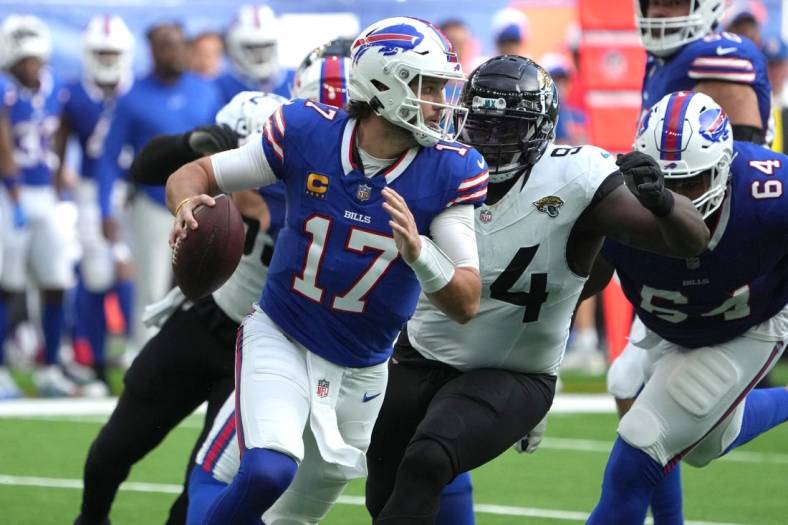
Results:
685 54
168 100
107 55
715 324
349 263
34 239
253 50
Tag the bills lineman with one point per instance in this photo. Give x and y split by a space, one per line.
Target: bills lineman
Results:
685 54
348 265
715 324
34 239
460 396
190 360
107 56
254 52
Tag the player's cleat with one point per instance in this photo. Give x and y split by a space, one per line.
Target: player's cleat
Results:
8 387
51 382
94 390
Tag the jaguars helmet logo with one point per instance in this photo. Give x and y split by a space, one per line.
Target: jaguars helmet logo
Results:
549 205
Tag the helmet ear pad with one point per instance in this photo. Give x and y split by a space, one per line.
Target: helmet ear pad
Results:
513 111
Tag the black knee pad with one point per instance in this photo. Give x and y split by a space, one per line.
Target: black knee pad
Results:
428 459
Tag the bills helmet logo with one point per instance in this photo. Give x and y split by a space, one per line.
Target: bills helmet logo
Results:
714 125
388 40
644 123
322 387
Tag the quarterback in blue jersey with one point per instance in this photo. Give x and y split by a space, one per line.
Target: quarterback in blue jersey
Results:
714 324
253 50
685 54
33 238
169 100
87 113
349 264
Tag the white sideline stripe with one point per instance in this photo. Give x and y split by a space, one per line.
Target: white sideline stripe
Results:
168 488
564 403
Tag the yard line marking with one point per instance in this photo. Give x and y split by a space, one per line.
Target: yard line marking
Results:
168 488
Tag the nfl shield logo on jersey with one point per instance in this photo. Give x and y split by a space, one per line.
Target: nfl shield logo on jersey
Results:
485 216
363 192
322 388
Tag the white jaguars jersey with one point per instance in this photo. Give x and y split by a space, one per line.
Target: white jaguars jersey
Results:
528 290
243 288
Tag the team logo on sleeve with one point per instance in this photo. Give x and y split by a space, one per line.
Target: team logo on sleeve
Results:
322 387
713 125
549 205
316 185
363 192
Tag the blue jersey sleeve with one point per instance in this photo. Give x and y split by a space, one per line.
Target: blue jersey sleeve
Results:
726 57
469 177
107 168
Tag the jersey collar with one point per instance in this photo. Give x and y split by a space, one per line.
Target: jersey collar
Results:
350 160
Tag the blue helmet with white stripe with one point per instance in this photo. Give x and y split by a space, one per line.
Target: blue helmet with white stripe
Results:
691 138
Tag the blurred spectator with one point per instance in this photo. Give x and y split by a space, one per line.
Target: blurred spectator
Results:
466 46
745 18
207 54
776 52
571 128
510 30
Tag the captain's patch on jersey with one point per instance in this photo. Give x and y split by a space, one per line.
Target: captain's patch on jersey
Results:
549 205
317 185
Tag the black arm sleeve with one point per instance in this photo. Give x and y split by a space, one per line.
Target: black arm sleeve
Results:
749 134
160 157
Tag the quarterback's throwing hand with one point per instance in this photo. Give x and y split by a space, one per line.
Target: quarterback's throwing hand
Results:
184 216
644 179
406 234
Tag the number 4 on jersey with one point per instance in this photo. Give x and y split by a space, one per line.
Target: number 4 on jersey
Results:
534 298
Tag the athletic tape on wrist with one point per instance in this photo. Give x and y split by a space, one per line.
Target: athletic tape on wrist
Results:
433 268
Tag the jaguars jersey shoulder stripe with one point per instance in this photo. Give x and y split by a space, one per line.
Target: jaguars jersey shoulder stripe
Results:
528 289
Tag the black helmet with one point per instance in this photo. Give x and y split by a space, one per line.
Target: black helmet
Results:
512 113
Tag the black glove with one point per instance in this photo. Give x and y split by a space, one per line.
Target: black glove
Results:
207 140
644 179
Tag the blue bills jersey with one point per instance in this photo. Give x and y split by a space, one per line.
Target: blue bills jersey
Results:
336 283
89 113
230 84
34 117
153 108
740 281
721 57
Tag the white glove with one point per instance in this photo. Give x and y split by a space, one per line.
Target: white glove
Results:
530 442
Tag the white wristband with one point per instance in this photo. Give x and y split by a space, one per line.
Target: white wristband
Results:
433 268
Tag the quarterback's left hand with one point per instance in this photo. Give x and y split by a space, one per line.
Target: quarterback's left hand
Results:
406 234
530 442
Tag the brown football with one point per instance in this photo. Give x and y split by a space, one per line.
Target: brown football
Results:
206 258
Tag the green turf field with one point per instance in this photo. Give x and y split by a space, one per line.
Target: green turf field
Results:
41 464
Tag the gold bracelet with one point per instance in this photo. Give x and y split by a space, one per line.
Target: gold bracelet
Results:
180 204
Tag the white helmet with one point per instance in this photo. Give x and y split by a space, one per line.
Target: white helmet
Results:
690 135
108 49
324 80
24 36
664 36
251 42
248 112
390 55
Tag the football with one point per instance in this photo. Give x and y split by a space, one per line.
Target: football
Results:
206 258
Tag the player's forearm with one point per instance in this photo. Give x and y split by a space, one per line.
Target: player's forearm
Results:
683 230
190 180
460 298
160 157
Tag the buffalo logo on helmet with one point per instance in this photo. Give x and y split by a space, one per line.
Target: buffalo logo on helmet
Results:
644 123
389 40
549 205
713 125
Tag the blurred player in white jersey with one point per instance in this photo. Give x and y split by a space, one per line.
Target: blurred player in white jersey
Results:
715 324
190 360
35 241
107 56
